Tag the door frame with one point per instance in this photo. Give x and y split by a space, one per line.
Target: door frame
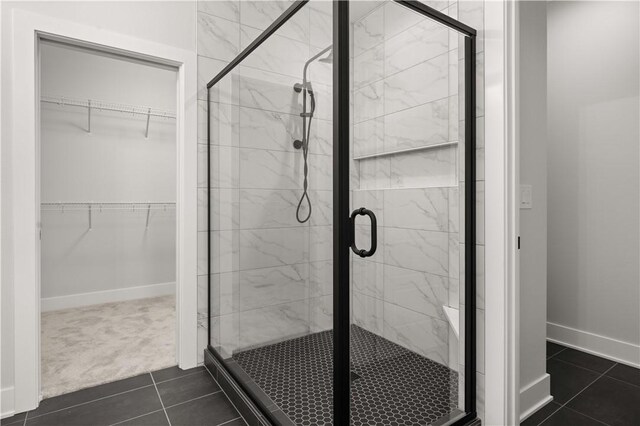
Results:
28 29
502 296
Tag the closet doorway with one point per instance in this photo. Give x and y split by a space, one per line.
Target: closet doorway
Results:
108 217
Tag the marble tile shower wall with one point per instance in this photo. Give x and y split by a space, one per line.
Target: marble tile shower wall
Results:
272 275
406 96
401 97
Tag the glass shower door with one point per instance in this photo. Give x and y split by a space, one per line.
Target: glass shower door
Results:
407 191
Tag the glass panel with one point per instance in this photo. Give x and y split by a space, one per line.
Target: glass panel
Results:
271 242
407 150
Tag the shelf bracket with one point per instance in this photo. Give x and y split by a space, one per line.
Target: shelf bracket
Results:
89 116
90 222
148 212
146 132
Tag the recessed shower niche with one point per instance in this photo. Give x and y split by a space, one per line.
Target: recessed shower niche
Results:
339 146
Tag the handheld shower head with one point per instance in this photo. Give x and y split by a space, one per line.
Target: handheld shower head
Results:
306 89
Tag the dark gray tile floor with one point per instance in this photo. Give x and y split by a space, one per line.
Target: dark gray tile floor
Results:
167 397
588 390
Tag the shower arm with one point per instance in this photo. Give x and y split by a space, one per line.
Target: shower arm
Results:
313 58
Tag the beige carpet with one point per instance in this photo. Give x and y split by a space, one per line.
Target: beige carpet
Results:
92 345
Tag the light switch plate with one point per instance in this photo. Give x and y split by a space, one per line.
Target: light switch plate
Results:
526 196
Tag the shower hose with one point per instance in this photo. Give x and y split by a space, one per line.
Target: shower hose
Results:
306 133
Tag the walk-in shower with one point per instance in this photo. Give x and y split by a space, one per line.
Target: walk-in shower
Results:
363 312
306 89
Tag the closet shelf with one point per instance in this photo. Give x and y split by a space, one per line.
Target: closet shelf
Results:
66 206
91 206
108 106
93 104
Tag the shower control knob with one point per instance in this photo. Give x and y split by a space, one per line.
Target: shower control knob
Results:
297 87
297 144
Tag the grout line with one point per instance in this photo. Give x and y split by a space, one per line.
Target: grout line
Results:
557 353
93 400
385 113
621 381
560 351
387 37
576 395
133 418
160 398
226 396
252 107
598 378
25 418
229 421
589 417
546 418
179 377
190 400
586 368
260 30
307 271
394 73
385 188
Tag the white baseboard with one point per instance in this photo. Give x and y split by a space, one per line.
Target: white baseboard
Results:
7 400
535 395
602 346
108 296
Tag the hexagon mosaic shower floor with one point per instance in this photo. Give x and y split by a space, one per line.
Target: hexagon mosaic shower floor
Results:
390 384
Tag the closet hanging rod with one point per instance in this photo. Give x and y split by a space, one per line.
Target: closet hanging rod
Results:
108 106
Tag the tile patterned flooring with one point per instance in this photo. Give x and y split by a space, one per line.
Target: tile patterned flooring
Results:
166 397
588 390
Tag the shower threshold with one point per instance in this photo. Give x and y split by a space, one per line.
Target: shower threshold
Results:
390 384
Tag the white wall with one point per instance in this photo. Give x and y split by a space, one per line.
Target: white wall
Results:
534 380
593 175
113 163
170 23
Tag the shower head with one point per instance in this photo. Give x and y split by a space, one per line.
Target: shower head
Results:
328 59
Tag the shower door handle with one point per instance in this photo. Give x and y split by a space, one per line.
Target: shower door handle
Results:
374 232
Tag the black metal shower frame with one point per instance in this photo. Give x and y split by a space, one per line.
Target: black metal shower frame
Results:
341 205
